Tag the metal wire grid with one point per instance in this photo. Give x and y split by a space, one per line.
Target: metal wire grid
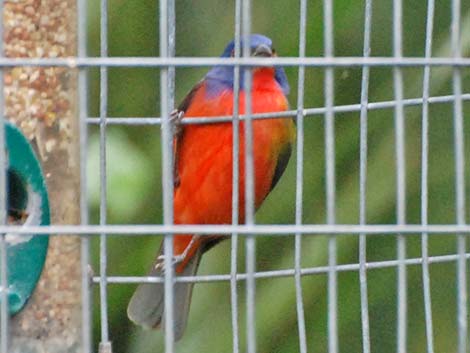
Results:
167 63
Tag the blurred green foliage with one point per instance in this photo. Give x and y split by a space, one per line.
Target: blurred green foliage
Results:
134 179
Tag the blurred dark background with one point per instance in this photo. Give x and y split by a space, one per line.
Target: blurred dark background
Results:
134 176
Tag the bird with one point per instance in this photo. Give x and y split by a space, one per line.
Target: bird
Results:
203 171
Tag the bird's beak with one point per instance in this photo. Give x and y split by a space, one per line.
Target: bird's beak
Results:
263 50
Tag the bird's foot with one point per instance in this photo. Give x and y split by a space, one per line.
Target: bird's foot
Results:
176 116
175 120
175 260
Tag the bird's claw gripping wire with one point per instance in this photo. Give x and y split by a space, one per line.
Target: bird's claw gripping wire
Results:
176 117
176 259
160 265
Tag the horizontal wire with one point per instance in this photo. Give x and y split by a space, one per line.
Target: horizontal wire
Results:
282 273
347 108
227 229
352 61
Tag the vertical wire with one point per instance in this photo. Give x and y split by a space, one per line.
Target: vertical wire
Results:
104 344
170 97
459 181
401 187
83 114
299 178
235 181
330 180
363 181
4 315
248 82
424 180
171 53
167 170
250 243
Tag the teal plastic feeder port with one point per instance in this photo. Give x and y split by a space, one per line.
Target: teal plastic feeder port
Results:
27 205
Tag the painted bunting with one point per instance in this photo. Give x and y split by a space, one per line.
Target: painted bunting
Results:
203 171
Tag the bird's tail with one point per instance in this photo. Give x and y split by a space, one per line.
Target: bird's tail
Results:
147 303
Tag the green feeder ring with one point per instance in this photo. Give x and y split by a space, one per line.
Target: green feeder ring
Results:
28 205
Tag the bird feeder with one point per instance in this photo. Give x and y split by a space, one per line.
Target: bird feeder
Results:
41 101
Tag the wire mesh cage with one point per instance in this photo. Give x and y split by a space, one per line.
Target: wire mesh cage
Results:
361 246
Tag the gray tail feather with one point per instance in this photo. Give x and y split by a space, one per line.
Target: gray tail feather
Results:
147 303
